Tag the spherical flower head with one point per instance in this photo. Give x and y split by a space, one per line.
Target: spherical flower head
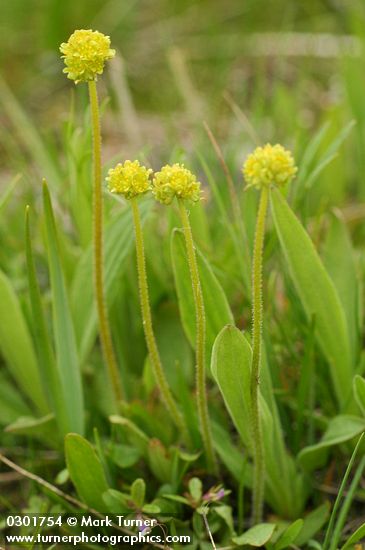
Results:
175 181
85 54
129 179
269 165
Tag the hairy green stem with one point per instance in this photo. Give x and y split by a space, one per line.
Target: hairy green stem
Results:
201 393
258 488
154 355
104 328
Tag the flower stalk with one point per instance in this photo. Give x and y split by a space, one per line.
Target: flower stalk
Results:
105 333
153 352
201 393
266 166
84 55
257 314
131 180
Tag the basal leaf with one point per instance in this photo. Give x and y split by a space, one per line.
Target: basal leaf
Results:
256 536
340 429
231 368
312 523
290 535
86 471
339 259
317 294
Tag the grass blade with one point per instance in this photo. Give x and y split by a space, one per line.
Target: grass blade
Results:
346 505
340 493
28 133
9 190
65 341
355 537
46 360
16 346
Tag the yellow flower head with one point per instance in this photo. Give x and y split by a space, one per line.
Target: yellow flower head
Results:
175 181
85 54
269 165
129 179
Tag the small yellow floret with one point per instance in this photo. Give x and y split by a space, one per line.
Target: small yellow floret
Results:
85 54
129 179
269 165
175 181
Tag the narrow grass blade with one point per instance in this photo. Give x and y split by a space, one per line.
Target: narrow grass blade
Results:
12 406
46 361
65 342
341 490
16 346
355 537
310 153
342 516
243 263
28 133
8 191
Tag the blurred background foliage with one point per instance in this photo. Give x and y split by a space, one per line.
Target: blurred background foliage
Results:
288 65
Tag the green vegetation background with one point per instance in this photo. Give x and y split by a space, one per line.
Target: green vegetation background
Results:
290 72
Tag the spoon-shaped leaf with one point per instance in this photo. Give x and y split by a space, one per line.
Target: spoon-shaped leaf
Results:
317 294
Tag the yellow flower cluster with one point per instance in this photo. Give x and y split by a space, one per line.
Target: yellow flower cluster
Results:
269 165
129 179
175 181
85 54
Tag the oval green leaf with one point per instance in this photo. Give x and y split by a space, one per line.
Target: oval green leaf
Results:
341 428
86 471
231 368
289 536
256 536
